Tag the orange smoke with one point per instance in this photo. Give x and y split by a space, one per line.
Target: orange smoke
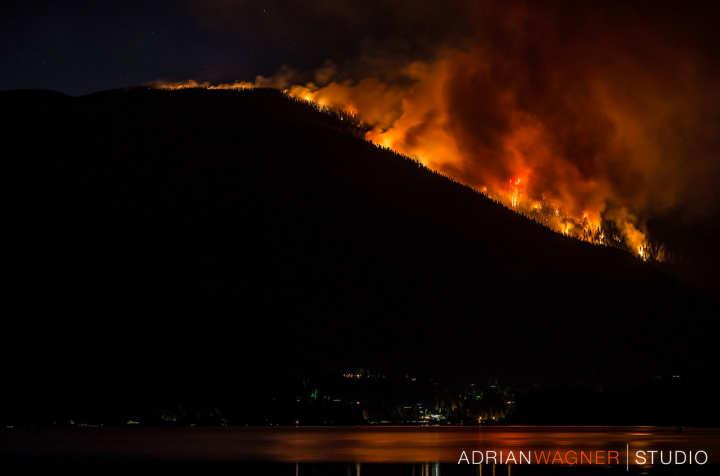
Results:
573 117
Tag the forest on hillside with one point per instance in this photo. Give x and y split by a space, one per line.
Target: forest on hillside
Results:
228 242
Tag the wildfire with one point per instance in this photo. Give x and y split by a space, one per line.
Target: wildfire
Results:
436 149
606 111
515 193
206 85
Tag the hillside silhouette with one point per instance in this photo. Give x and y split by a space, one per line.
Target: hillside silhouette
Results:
223 242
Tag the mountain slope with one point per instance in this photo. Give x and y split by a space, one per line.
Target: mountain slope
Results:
229 239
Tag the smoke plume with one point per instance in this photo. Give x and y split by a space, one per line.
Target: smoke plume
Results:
590 110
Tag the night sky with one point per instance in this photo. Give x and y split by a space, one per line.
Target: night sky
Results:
80 46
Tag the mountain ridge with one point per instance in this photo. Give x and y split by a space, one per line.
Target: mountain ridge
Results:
248 228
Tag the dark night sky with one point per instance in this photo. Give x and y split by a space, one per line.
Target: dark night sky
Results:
82 46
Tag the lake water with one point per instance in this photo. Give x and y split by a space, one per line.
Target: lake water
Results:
356 451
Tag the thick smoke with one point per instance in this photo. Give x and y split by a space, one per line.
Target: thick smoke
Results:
601 108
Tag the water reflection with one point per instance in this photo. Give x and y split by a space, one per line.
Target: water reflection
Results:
441 469
354 444
355 451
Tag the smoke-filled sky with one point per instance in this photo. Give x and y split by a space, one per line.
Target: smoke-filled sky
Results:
605 106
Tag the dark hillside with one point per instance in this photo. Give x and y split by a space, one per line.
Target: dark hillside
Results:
222 241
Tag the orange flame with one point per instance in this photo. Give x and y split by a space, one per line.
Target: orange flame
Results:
603 110
422 131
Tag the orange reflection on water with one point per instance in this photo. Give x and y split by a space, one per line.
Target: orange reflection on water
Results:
384 444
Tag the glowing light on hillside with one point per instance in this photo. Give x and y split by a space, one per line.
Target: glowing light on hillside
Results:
435 149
